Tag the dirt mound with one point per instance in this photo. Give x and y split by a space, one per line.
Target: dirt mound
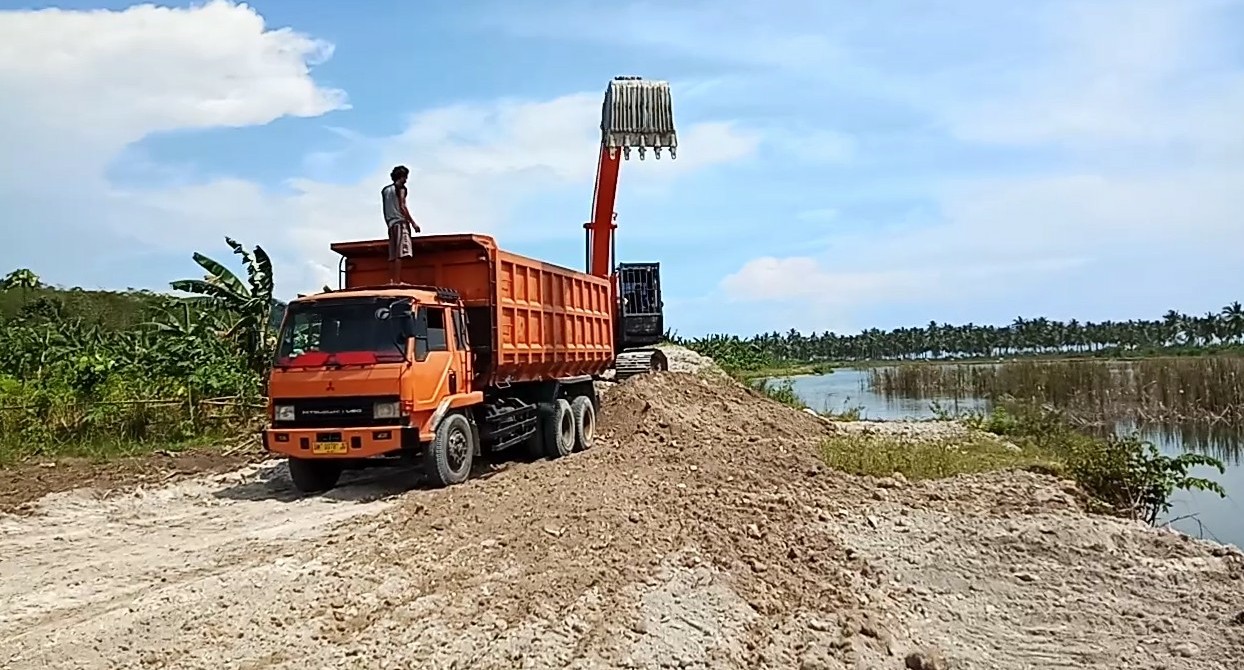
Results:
687 476
701 531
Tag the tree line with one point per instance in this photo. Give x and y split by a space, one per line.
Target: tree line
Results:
1022 337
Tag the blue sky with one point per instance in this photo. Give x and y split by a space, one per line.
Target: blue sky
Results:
843 165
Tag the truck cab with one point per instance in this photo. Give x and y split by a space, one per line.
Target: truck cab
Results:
368 374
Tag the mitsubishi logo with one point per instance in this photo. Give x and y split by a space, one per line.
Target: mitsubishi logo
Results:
330 388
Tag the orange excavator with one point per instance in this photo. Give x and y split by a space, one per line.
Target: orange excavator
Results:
478 350
637 114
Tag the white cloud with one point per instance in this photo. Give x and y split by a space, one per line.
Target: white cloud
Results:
1141 104
79 87
470 166
1125 73
805 279
1122 119
1126 238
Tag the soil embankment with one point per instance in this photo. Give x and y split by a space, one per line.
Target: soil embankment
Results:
701 532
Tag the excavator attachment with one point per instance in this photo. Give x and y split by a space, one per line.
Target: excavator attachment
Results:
638 113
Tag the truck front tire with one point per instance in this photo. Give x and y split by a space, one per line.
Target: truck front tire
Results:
313 475
449 457
584 413
558 430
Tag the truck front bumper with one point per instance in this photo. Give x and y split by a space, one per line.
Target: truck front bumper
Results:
360 442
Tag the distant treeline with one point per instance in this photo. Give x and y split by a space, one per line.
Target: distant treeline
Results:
1023 337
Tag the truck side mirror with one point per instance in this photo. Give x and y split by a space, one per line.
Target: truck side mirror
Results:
402 312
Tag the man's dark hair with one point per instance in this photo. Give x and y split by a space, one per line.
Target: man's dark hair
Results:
398 172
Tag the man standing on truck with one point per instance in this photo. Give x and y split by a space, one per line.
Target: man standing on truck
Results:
398 220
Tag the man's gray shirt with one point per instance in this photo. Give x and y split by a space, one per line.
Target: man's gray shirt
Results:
392 205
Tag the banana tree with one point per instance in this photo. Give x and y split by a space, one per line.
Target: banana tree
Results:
21 278
248 304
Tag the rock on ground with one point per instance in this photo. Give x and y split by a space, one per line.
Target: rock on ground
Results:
702 531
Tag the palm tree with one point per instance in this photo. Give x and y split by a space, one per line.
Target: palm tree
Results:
1233 321
249 304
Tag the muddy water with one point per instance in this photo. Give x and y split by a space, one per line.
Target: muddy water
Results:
1198 513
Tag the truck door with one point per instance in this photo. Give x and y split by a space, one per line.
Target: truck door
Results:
433 356
462 351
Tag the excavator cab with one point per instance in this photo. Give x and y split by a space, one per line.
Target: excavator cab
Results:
641 321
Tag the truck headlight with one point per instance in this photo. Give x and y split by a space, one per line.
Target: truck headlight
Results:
285 413
387 410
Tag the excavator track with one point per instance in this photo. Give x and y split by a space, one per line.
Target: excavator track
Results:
639 361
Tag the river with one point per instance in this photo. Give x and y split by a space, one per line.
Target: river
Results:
1198 513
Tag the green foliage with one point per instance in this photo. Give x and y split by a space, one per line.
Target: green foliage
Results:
248 305
845 414
782 391
881 456
1125 474
100 370
22 279
731 353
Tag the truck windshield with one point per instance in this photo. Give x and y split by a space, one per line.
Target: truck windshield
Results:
340 332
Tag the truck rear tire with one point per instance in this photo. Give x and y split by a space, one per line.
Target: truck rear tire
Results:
449 457
557 429
584 413
312 475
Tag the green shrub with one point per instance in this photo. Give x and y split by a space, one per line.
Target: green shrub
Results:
782 391
1125 474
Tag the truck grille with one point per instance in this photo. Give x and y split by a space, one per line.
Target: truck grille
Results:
335 412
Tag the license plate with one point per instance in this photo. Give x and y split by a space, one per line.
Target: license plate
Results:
329 448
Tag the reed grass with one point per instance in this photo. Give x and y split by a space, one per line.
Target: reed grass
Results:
1208 389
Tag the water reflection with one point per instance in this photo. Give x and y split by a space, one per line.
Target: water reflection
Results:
1224 442
1194 512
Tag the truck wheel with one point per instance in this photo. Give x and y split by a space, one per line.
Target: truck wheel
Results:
313 476
558 429
584 413
451 453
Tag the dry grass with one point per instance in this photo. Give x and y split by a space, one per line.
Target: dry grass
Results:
882 456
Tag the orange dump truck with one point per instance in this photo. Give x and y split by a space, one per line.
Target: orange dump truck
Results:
478 350
474 350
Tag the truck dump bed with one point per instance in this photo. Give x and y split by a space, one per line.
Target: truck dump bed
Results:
528 320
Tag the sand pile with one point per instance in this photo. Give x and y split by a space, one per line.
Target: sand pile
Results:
706 485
